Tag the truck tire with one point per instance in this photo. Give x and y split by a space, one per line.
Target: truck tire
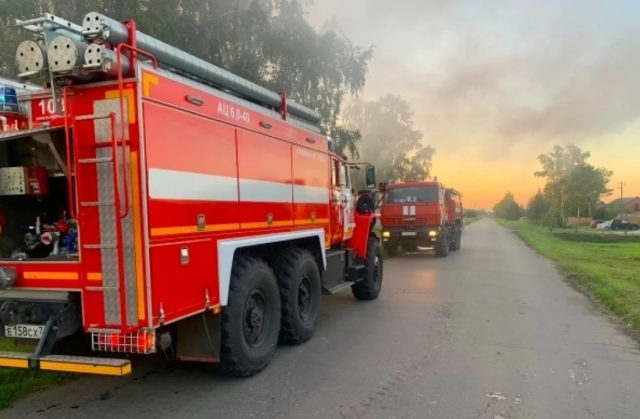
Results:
453 244
442 245
251 319
300 294
459 242
369 288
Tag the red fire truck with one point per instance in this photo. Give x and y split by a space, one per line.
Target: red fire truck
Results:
427 214
159 203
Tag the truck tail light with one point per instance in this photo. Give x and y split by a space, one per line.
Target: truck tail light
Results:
140 342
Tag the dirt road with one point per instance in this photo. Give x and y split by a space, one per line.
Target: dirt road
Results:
491 332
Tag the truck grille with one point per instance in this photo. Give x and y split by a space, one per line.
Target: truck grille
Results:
408 222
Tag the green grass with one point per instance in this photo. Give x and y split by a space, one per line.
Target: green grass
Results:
586 236
608 271
470 220
15 383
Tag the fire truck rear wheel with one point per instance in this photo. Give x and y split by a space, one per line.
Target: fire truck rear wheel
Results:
455 238
300 295
251 320
369 288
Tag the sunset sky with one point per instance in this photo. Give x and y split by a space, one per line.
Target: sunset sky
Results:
494 83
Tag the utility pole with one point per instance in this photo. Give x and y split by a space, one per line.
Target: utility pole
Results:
621 199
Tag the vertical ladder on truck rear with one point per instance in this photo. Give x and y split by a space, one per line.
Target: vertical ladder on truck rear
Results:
105 175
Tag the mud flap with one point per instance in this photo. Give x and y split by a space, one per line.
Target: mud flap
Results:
199 338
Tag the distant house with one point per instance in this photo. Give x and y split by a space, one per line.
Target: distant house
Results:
631 205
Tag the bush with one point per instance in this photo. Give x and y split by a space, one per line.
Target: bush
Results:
596 237
471 213
552 220
537 207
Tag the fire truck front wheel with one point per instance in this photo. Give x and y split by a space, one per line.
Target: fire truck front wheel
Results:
442 246
300 295
251 319
369 288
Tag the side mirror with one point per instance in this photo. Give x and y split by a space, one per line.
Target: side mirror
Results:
371 177
383 187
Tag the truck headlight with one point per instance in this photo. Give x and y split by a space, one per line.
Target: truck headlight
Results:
433 233
8 277
386 234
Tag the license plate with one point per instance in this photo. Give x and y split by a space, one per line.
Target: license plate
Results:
23 331
409 233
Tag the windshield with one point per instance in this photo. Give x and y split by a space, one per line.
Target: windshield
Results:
412 194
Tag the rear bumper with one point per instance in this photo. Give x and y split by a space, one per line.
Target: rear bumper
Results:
60 363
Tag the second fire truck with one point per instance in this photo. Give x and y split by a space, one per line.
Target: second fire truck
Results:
425 215
157 202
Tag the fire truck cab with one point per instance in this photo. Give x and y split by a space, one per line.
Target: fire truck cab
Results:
148 209
426 215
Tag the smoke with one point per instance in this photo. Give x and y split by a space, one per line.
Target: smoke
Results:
506 71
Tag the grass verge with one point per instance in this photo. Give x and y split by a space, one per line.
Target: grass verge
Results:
470 220
608 271
15 383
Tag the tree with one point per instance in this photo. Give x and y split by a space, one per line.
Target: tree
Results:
537 206
572 183
613 211
389 139
552 219
268 42
508 208
584 186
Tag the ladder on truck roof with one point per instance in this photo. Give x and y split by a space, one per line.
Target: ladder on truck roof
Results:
69 52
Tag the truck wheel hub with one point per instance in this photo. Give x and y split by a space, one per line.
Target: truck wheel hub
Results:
255 318
304 297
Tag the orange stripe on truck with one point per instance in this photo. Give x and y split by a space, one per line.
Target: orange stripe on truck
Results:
137 235
60 276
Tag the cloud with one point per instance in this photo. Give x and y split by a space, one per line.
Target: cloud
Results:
507 71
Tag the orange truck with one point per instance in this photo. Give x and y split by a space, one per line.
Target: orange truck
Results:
426 215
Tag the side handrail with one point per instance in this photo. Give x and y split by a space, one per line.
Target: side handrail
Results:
70 194
114 160
119 51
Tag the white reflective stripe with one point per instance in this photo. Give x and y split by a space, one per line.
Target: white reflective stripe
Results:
405 210
263 191
189 186
176 184
412 210
228 247
310 194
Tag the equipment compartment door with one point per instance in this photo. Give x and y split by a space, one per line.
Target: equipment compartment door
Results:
193 199
342 203
337 200
348 202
